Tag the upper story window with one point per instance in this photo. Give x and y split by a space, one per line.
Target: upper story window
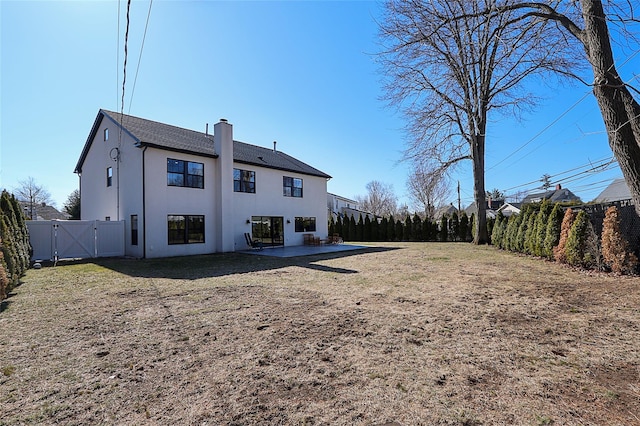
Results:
291 187
244 181
109 176
185 173
106 134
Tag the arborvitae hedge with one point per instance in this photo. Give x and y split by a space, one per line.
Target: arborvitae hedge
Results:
391 229
559 252
353 236
540 231
552 235
366 231
454 226
615 249
511 233
399 231
444 228
416 228
529 237
4 281
383 230
375 230
498 232
14 244
464 226
576 249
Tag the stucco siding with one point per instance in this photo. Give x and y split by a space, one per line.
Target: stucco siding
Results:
163 200
269 200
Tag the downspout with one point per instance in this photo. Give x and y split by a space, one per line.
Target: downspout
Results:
144 209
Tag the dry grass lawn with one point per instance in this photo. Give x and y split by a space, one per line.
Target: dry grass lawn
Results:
405 334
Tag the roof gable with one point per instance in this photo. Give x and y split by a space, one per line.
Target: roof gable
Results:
164 136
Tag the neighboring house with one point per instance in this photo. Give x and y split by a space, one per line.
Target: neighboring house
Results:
182 192
618 190
41 211
491 210
338 205
444 211
509 209
557 195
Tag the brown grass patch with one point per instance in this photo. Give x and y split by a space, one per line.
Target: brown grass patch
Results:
447 334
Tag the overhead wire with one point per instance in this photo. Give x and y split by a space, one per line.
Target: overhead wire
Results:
619 66
118 57
144 36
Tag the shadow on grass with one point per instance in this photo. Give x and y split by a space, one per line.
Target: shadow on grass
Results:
220 264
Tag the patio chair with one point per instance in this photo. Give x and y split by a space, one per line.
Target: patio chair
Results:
251 243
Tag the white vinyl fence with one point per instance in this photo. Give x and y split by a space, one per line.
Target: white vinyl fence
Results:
75 239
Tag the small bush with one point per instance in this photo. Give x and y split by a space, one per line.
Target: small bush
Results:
614 247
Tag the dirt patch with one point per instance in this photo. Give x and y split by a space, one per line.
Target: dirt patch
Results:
447 334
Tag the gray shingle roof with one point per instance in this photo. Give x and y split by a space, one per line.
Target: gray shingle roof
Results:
616 191
561 195
164 136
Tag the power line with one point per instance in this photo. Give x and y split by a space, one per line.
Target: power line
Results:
118 57
140 57
593 165
539 133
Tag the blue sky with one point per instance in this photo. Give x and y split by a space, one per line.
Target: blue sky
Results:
300 73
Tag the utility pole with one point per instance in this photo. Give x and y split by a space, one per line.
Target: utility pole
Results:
459 197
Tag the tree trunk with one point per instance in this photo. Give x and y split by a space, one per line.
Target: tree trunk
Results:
479 194
620 111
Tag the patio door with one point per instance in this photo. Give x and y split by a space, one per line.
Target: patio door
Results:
268 229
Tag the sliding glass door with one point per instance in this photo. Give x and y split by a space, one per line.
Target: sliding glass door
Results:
268 229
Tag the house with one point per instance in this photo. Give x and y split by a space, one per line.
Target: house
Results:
509 209
42 211
557 195
183 192
618 190
445 211
339 206
491 209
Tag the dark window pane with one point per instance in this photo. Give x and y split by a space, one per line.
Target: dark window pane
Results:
175 179
175 166
176 226
195 169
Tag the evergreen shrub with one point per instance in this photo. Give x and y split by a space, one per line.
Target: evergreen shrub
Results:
615 249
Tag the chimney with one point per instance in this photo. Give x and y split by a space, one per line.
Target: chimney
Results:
558 187
206 131
274 146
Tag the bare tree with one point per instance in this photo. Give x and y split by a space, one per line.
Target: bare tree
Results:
447 75
32 193
428 187
587 25
380 199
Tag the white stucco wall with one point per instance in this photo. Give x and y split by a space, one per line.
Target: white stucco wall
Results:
270 201
216 201
163 200
124 197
